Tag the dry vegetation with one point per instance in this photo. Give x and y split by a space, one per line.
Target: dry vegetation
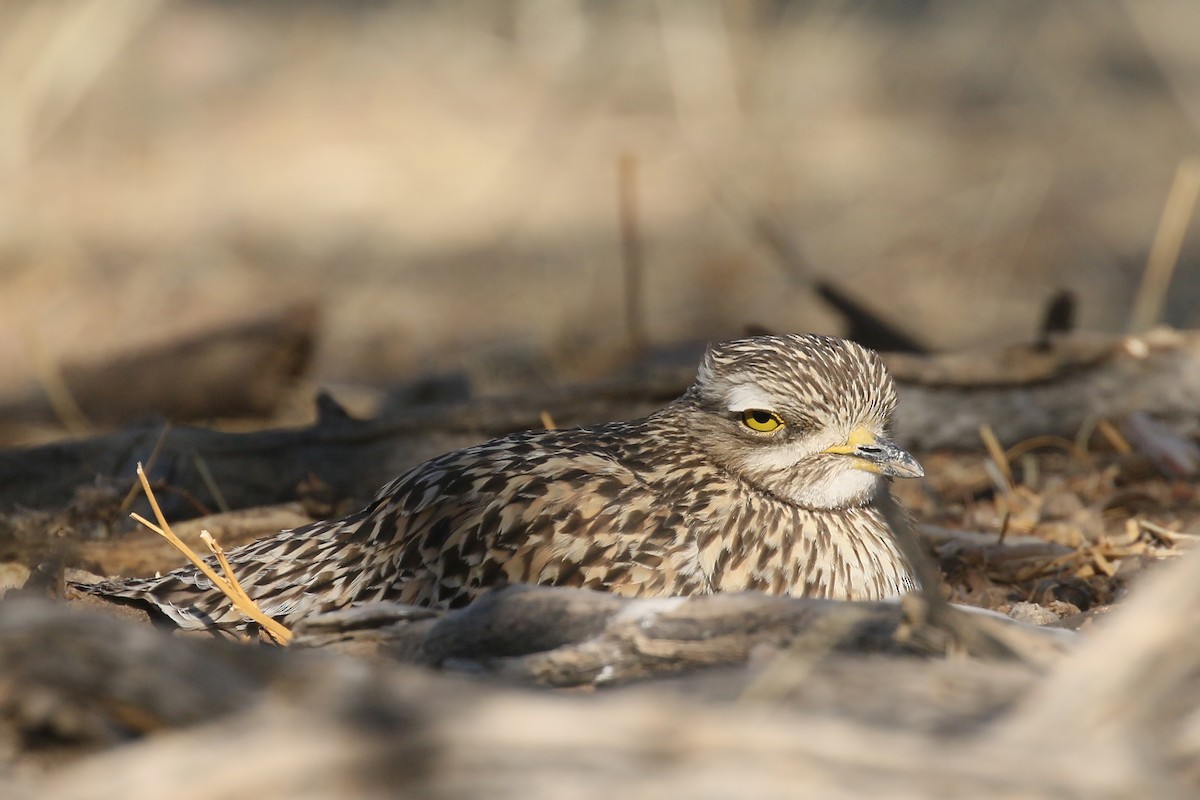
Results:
446 213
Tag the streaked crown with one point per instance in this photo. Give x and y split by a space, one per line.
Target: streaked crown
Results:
820 376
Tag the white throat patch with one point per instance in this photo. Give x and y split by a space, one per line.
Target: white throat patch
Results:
844 488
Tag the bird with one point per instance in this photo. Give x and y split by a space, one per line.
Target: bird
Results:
765 475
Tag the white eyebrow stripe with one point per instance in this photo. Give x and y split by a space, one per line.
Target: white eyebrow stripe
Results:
741 398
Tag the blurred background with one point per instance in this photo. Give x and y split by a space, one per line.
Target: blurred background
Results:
519 191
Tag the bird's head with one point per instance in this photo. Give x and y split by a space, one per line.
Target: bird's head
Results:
803 417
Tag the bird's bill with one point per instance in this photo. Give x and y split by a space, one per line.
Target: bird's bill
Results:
879 455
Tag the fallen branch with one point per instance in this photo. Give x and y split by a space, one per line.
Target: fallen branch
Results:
1028 391
571 637
241 369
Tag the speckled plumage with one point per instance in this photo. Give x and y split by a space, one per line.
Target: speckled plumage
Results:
689 500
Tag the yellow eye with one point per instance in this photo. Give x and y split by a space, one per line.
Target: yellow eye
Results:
756 419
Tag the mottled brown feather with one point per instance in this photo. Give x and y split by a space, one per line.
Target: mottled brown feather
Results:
685 501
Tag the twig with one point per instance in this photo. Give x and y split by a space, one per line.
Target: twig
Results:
276 630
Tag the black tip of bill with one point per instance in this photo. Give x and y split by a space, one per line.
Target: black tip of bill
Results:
889 459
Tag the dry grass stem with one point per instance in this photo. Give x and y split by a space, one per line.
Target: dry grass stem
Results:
1004 526
631 251
231 588
997 454
150 462
210 483
1036 443
1168 241
219 552
1114 437
1166 534
58 393
51 55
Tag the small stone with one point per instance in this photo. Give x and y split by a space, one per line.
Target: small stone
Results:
1033 613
